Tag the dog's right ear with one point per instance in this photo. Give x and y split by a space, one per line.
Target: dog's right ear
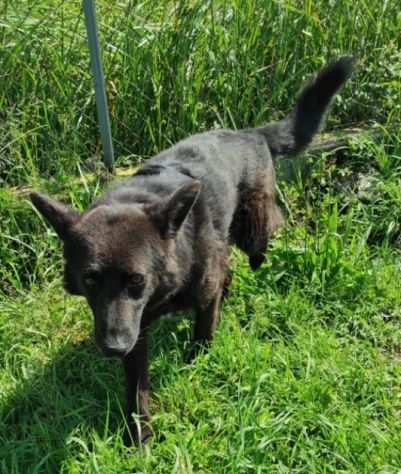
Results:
169 215
60 216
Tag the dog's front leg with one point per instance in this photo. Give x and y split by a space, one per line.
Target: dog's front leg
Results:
137 390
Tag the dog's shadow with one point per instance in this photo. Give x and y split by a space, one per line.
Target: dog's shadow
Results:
77 394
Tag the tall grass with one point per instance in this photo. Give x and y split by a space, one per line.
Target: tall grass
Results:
174 68
304 374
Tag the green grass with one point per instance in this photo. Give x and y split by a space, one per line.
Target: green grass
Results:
304 374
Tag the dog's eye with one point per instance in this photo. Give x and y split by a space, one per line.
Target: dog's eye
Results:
135 285
136 279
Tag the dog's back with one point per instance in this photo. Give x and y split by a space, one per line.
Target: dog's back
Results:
237 200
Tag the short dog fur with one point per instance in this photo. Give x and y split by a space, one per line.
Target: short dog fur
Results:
159 241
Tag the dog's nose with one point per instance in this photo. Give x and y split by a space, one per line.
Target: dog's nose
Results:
115 346
115 343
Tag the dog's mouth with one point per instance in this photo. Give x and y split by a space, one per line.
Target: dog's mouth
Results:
115 351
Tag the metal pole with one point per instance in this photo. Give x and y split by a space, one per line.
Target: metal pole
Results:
98 78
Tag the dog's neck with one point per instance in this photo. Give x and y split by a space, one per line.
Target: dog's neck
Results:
179 267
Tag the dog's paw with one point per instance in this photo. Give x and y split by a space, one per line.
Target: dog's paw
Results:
136 436
256 260
197 348
191 354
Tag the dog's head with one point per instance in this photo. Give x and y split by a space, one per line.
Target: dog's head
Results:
116 256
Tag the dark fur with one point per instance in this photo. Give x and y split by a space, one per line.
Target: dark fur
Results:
159 241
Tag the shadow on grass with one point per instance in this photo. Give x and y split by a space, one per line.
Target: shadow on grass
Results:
69 402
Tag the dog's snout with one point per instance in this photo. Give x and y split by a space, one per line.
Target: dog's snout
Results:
115 350
117 328
116 344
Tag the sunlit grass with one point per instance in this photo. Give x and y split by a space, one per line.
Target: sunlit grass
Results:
304 374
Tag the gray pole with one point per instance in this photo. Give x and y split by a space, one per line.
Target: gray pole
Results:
98 78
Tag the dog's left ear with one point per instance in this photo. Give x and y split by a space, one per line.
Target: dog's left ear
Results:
60 216
169 215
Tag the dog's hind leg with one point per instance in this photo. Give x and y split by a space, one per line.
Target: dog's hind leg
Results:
272 220
256 219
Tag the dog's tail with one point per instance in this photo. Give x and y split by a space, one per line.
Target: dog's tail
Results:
295 132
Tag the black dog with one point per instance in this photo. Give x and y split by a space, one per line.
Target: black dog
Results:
159 241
